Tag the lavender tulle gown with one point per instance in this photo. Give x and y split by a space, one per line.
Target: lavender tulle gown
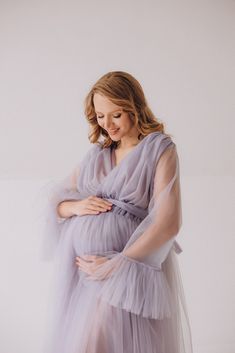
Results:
129 305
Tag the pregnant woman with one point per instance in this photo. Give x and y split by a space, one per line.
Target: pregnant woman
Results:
112 227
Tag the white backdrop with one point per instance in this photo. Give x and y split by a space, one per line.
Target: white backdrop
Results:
182 53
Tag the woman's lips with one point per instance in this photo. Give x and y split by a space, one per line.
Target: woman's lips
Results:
112 132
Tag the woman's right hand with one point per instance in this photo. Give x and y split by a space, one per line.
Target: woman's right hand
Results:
90 205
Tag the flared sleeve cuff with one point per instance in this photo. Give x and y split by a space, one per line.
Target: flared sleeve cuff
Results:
135 287
49 223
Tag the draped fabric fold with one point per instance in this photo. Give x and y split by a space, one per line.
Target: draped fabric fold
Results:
139 288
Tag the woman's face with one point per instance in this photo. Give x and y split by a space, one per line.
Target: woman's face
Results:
112 118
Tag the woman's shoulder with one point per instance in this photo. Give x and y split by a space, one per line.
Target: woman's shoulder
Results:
92 151
158 139
94 147
97 146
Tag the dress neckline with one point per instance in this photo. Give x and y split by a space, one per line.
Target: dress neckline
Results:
114 159
113 156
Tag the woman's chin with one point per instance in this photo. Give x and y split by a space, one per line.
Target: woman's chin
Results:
115 135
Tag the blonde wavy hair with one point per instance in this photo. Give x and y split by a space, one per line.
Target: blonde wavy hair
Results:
122 89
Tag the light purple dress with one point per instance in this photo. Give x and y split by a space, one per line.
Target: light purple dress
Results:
129 305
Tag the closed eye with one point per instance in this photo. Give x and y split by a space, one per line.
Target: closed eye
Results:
115 116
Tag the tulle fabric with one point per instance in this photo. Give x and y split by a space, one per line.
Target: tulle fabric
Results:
130 304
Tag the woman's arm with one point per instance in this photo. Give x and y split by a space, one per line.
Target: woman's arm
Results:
64 208
167 220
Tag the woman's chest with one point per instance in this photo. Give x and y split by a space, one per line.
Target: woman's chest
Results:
129 181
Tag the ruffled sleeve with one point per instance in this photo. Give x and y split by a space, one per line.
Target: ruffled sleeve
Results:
51 224
134 279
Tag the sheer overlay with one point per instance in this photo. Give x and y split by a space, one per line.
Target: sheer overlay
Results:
134 302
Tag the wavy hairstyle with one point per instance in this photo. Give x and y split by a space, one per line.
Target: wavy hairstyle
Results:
124 90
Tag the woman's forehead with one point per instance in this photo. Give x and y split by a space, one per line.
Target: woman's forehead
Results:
103 104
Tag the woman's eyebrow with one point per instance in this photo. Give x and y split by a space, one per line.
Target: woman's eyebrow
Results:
110 112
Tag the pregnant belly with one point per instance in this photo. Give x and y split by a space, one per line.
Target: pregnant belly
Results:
108 231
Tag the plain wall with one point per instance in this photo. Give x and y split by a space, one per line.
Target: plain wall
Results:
182 53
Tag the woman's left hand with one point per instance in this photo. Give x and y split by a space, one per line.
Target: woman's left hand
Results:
90 263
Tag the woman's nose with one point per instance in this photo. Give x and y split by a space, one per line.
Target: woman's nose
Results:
108 123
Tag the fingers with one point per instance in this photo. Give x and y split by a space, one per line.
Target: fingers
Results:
98 204
98 208
88 267
102 201
89 263
90 211
85 267
89 257
91 205
84 264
